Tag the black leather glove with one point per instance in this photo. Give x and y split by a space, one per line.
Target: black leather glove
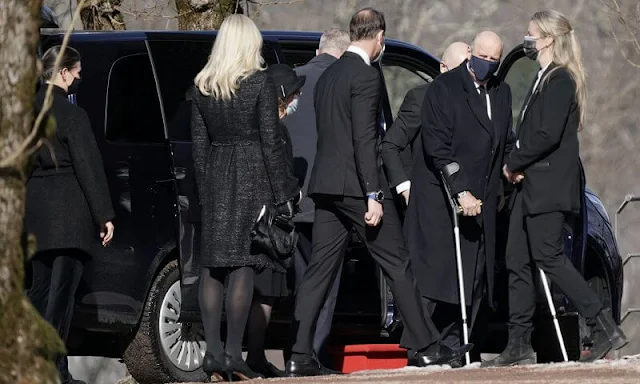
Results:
286 210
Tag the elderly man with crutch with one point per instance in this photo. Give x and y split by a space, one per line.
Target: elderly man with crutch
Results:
466 132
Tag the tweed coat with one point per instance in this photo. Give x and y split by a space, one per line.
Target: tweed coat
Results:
241 162
67 197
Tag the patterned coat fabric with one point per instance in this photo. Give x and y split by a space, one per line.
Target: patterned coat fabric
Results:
241 163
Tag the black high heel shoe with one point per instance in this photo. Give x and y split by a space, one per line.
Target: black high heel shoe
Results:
212 367
239 368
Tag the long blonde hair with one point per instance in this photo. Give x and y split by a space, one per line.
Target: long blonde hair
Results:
236 55
566 52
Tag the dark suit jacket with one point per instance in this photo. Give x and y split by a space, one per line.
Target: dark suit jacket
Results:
397 146
302 128
456 128
548 148
348 162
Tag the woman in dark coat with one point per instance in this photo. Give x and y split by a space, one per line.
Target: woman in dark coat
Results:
68 206
241 164
545 166
271 283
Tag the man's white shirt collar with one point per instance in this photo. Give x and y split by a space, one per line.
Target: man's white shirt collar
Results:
360 52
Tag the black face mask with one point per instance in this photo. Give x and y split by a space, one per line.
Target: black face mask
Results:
483 69
529 47
74 86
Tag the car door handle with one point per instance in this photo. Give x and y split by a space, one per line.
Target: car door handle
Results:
122 173
179 172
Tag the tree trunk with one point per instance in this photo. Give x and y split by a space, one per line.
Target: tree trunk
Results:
28 342
205 14
102 15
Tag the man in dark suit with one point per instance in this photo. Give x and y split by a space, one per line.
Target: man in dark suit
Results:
350 192
466 131
302 127
397 146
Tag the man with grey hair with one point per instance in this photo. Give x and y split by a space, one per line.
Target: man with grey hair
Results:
333 42
302 128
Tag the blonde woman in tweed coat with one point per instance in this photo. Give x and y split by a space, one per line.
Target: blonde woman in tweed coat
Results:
241 164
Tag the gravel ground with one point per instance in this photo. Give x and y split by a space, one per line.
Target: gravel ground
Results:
622 371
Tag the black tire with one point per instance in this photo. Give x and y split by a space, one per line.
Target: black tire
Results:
145 357
600 286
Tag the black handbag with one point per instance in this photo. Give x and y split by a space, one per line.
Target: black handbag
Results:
274 234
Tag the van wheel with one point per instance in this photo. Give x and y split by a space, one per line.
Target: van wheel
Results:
164 350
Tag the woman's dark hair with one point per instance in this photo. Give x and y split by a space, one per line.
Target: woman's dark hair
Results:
70 57
366 23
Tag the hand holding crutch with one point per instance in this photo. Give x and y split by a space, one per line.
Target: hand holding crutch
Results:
456 210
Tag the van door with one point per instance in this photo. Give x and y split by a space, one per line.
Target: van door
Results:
120 97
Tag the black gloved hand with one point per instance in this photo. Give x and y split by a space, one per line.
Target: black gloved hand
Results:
285 210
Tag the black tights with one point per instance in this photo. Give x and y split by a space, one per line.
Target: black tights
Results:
238 303
258 323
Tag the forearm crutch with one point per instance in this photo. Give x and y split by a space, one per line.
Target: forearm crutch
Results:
456 210
552 307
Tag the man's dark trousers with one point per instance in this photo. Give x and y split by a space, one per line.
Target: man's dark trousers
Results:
334 218
448 318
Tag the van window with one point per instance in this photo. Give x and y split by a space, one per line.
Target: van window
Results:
177 62
399 78
520 78
133 107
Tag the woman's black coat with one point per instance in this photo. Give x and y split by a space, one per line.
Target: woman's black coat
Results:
67 193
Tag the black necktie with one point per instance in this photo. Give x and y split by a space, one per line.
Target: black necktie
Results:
483 95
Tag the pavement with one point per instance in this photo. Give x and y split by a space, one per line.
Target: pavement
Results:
623 371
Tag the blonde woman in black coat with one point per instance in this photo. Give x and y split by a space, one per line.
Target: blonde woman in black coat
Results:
545 166
241 164
68 206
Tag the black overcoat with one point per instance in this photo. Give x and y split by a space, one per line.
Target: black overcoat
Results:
66 203
241 162
456 128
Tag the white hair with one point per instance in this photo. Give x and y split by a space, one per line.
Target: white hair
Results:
334 40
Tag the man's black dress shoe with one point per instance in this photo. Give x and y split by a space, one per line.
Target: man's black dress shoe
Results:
306 365
439 354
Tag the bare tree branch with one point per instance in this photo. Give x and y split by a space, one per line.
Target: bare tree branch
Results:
614 11
34 141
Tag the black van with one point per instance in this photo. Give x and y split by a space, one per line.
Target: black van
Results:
137 299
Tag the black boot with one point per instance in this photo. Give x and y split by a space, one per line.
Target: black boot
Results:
518 352
606 335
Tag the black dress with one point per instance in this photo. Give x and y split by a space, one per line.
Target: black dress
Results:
241 163
269 282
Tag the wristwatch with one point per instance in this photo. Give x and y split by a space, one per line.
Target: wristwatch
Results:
377 196
462 194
